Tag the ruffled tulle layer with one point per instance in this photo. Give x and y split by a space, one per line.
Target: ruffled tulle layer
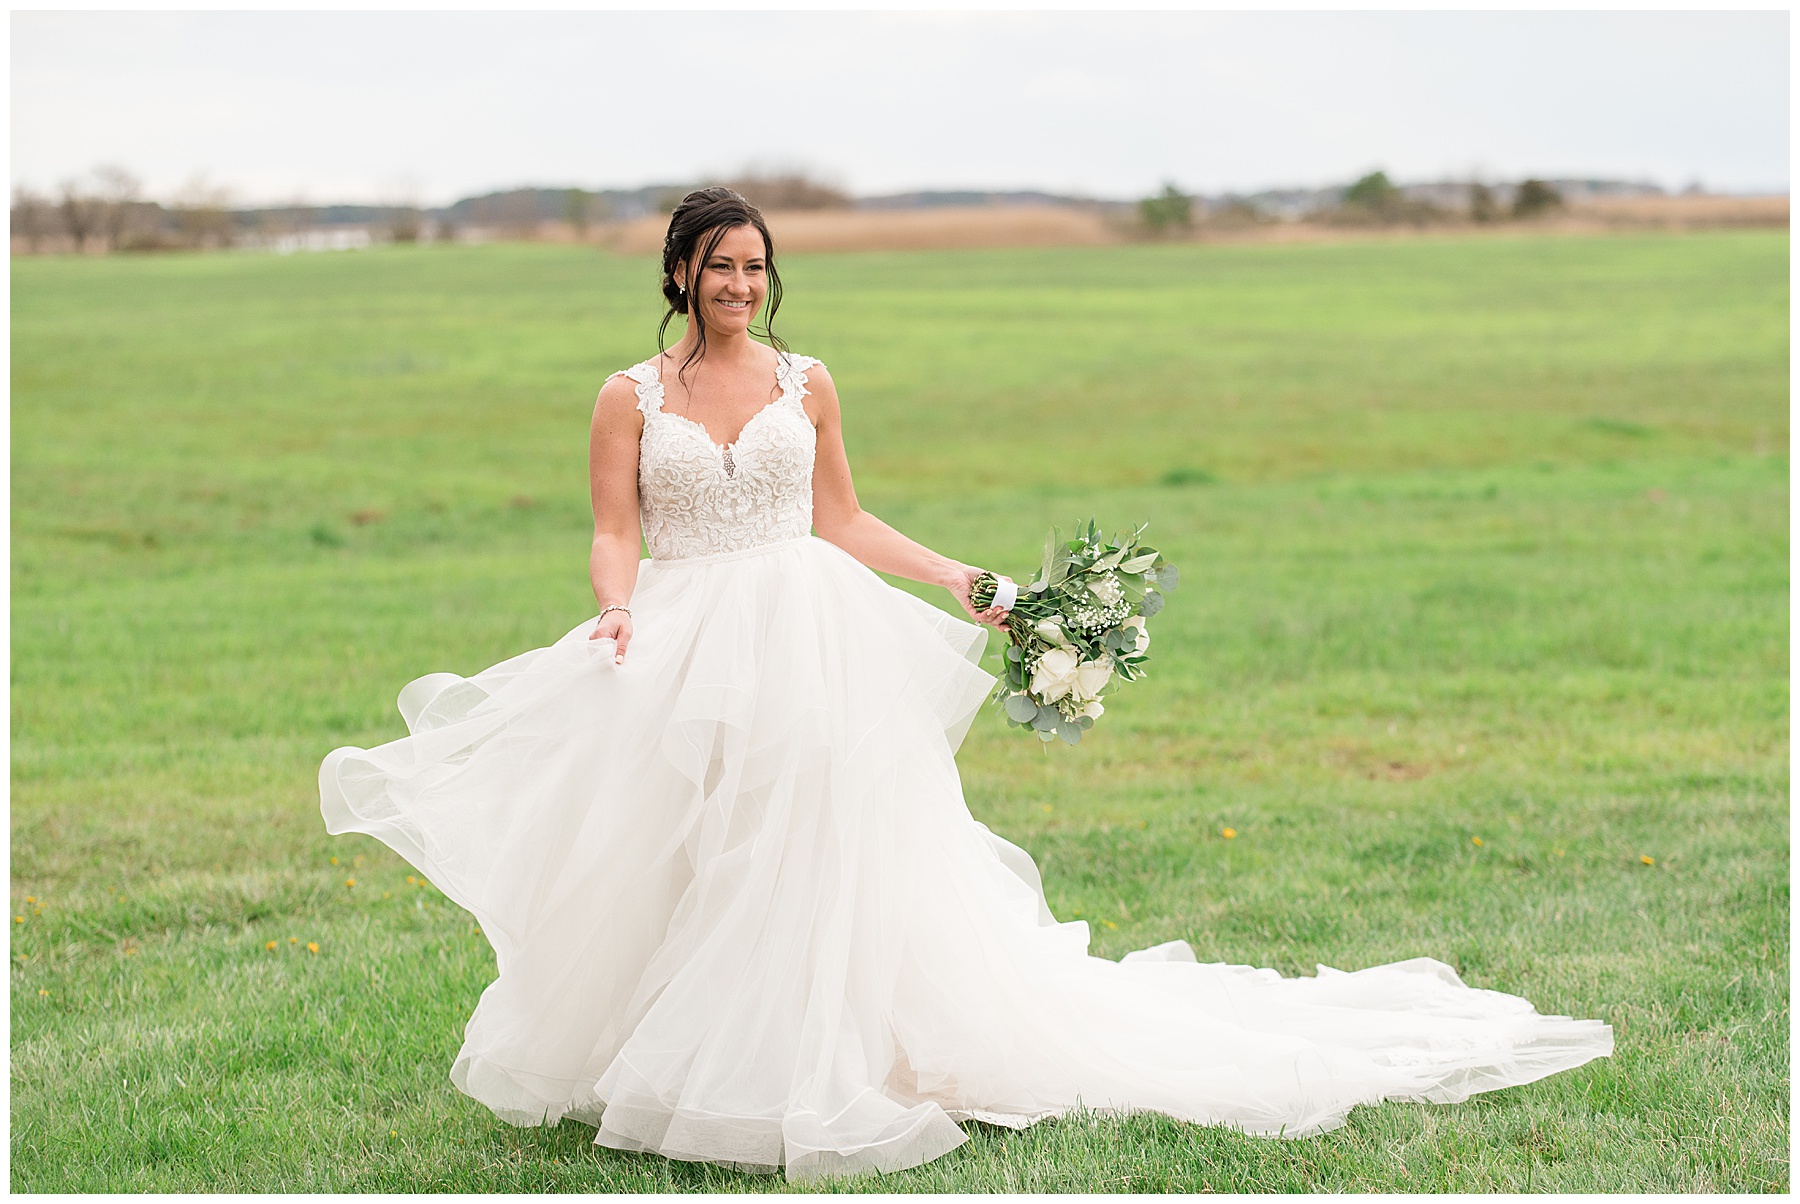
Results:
742 914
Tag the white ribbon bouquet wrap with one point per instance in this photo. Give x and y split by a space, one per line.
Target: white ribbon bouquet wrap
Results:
1079 626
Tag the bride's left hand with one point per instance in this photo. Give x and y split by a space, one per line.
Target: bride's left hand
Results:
961 583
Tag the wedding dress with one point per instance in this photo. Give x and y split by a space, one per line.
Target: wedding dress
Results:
742 913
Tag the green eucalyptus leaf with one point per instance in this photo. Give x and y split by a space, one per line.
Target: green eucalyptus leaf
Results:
1152 603
1138 563
1020 707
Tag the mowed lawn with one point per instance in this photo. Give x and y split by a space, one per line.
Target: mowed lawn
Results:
1480 654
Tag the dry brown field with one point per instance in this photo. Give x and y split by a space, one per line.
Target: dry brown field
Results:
962 227
1682 212
947 228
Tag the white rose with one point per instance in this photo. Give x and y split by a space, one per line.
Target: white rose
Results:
1093 710
1055 674
1136 623
1107 589
1091 678
1050 630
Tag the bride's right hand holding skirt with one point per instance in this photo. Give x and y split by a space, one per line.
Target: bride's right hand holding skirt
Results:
614 625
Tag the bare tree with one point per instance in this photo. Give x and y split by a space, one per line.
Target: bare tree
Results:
299 216
203 214
404 218
116 197
80 213
791 189
33 218
403 223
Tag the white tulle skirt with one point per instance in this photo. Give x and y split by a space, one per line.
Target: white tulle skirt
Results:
742 913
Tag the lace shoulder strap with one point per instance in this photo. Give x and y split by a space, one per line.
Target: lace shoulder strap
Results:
649 386
790 373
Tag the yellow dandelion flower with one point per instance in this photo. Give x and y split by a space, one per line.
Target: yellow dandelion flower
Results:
334 861
393 1132
270 945
349 882
410 880
1109 923
31 898
1228 833
1558 852
1647 859
312 946
387 894
293 940
1476 841
18 919
1045 807
41 991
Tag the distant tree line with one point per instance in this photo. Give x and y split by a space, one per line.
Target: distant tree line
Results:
106 211
1373 199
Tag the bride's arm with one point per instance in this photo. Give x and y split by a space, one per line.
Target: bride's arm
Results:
838 518
612 480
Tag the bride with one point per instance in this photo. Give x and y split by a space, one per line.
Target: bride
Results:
717 839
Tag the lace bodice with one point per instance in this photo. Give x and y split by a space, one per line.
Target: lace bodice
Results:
698 498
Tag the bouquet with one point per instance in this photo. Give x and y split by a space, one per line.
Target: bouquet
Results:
1079 625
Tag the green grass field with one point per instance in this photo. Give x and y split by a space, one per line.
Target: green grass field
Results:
1481 652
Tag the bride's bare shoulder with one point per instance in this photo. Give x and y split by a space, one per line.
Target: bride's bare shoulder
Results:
821 397
620 395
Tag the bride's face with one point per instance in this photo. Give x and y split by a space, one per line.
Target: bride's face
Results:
730 286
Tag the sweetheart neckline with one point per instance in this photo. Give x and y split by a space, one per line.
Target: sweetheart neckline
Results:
724 448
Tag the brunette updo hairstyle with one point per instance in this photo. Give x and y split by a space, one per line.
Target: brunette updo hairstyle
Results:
696 228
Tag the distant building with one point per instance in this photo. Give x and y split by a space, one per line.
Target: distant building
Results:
350 238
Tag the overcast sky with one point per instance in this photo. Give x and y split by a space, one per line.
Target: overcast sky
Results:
429 106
